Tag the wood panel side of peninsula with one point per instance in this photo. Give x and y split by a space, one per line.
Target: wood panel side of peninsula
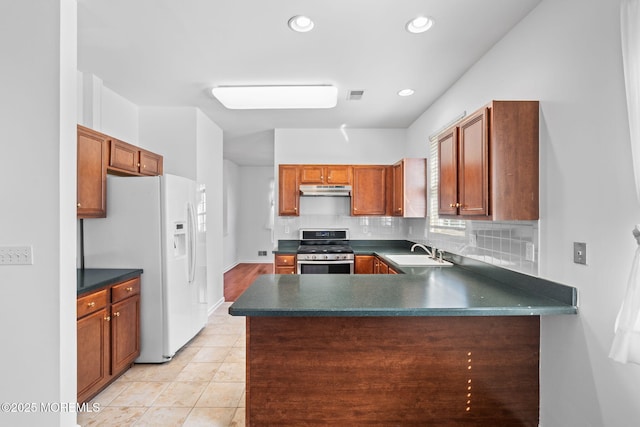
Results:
382 371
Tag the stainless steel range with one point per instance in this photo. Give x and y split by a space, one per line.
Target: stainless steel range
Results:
324 251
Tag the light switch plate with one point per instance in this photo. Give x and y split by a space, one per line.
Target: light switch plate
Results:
580 253
16 255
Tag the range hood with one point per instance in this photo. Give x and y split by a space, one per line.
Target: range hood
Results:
325 190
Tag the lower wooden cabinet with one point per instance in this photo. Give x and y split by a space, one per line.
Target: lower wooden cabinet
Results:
108 335
363 264
371 264
285 264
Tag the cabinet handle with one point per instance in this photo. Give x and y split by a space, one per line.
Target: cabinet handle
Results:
91 304
138 165
458 205
79 205
129 289
116 314
108 318
144 166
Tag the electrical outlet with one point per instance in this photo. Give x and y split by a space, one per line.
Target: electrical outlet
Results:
473 239
262 253
580 253
16 255
530 254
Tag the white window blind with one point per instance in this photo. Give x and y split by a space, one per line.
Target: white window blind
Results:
454 227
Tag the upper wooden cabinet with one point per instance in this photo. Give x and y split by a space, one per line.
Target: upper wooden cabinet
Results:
92 173
288 190
368 193
488 164
325 174
409 188
127 159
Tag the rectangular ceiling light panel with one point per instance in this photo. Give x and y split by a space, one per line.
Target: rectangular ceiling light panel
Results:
276 97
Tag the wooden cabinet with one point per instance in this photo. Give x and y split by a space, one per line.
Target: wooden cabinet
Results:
409 188
285 264
325 174
127 159
91 173
364 264
108 331
380 267
488 164
288 190
99 154
368 193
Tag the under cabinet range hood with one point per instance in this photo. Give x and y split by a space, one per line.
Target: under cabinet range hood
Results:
325 190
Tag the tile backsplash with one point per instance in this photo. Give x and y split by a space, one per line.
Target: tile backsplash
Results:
512 245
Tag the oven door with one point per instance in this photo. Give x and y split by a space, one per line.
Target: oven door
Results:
325 267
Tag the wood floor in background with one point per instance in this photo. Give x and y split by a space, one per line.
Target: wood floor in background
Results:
241 277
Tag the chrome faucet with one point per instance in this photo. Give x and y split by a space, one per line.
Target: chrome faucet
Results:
418 245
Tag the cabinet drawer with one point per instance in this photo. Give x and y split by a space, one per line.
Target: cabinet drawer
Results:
89 303
287 260
125 289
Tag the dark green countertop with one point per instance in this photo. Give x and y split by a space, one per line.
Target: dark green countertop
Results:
468 288
91 279
440 291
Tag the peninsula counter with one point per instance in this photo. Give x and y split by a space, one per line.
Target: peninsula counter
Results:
446 347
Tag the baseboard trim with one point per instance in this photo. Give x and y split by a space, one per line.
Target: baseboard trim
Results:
215 306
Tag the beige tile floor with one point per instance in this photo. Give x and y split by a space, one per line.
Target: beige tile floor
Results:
204 384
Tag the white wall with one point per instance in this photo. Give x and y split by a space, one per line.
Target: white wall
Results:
256 193
172 132
231 211
37 168
319 146
566 53
209 172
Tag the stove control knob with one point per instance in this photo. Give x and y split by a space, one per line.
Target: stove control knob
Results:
313 257
326 257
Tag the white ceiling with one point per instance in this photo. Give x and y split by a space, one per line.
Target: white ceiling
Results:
171 52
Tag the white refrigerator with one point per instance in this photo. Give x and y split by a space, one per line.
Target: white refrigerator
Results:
157 224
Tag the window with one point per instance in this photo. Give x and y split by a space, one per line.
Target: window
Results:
454 227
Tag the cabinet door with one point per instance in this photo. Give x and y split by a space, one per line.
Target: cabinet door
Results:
379 266
363 264
124 156
93 353
368 192
125 330
92 174
150 163
288 190
397 189
448 172
338 174
473 165
312 174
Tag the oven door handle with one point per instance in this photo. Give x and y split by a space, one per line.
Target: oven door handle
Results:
326 261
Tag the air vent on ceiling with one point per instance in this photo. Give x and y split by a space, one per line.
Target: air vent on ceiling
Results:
355 95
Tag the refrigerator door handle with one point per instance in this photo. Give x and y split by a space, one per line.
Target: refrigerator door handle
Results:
191 236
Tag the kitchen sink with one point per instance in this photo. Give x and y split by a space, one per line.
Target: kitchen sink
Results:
416 260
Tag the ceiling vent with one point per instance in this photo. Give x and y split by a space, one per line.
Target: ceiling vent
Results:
355 95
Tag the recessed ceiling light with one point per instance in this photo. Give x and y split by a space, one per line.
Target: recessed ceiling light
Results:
301 23
406 92
419 24
276 97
